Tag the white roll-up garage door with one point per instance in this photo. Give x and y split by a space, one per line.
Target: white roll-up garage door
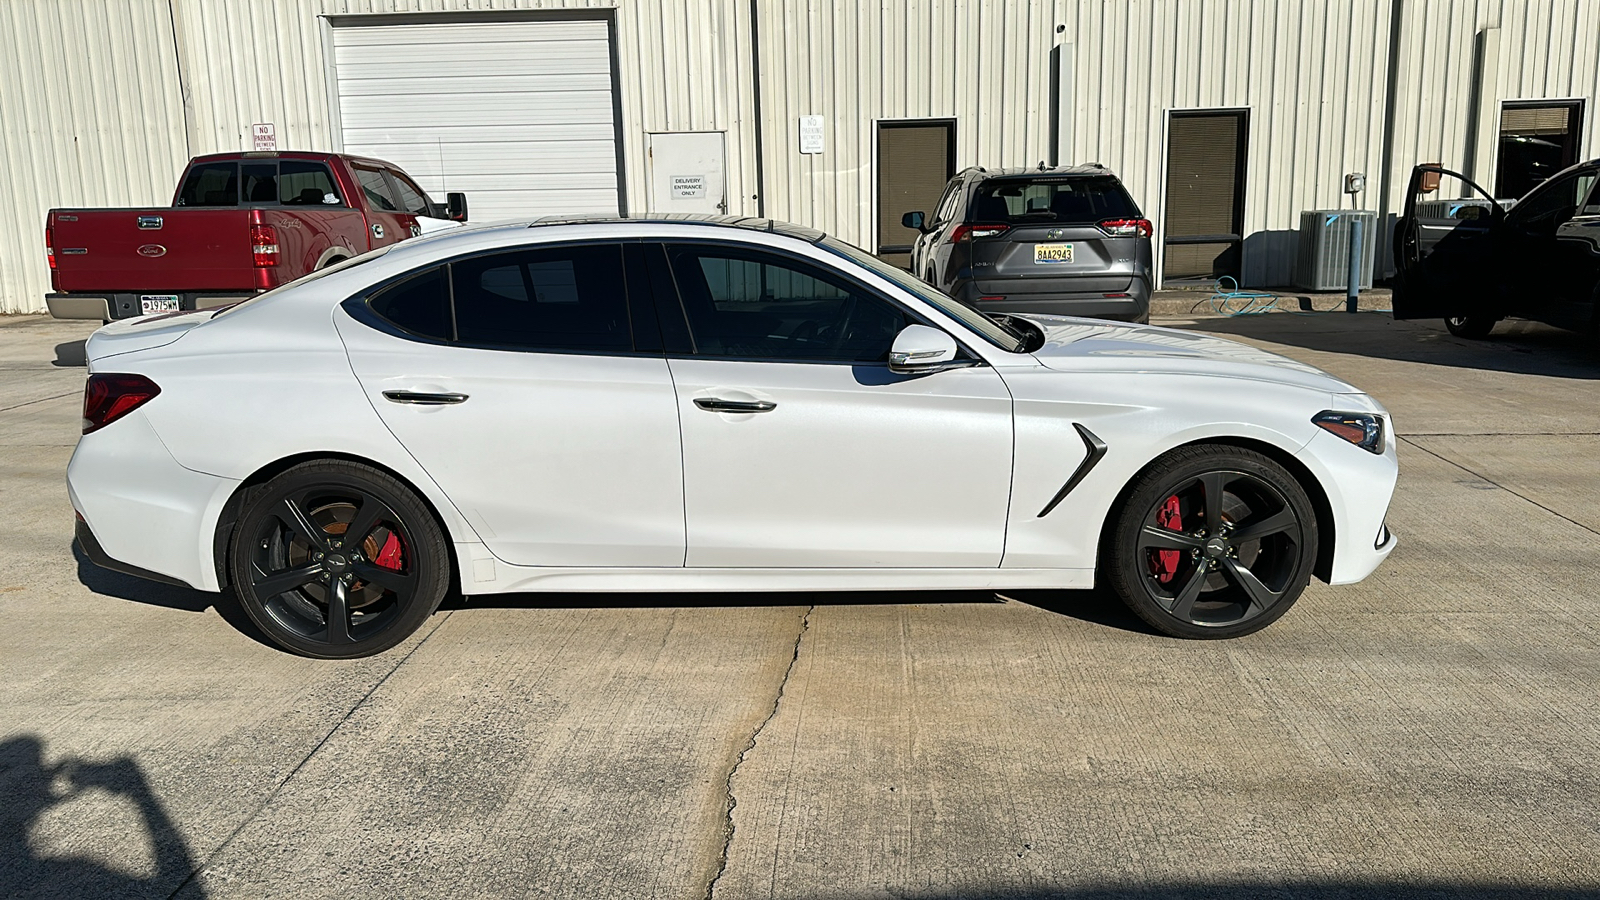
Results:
517 114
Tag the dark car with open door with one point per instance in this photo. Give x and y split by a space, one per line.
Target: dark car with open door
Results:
1465 258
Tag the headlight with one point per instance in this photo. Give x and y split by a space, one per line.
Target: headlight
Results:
1365 430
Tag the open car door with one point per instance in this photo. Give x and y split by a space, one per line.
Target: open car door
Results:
1445 249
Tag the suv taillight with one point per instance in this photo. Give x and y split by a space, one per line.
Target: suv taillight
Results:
107 398
50 246
264 245
1127 227
968 232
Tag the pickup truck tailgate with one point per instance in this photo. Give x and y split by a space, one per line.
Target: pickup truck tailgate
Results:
173 249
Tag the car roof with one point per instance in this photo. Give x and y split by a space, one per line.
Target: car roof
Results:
748 223
314 155
1083 169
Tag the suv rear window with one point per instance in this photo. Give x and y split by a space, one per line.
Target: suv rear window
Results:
1072 200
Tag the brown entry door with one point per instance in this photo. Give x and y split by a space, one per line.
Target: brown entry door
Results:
1204 218
915 159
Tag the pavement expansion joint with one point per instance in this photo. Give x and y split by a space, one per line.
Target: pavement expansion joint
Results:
278 788
1487 479
732 801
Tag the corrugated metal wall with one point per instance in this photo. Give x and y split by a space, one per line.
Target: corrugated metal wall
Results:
91 115
96 115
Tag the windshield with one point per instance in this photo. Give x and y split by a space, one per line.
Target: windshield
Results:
340 266
987 328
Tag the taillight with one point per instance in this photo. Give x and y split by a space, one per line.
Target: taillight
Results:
107 398
968 232
1127 227
264 245
49 246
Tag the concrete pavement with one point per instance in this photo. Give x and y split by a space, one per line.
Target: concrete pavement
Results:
1430 732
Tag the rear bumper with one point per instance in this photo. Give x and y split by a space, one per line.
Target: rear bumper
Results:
1134 307
111 305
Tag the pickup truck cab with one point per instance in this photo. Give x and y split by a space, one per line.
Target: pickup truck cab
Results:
239 224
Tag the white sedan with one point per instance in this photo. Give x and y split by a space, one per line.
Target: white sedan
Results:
704 405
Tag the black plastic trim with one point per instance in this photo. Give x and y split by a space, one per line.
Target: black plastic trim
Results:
1097 451
97 555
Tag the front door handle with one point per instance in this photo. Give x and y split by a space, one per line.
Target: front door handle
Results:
712 404
423 398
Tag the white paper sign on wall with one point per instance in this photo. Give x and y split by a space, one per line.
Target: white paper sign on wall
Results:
810 134
266 135
688 185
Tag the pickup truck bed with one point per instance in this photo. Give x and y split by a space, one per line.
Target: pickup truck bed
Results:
239 225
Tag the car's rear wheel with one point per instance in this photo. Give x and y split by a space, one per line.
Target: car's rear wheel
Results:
1213 541
1473 327
338 560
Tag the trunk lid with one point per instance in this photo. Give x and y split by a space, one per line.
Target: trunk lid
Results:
164 249
1029 254
143 333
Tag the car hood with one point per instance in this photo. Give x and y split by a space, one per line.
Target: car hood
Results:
143 333
1089 345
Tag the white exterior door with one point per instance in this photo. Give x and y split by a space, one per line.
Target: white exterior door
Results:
688 172
516 114
552 438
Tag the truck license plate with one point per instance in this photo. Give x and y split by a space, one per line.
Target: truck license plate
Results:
1052 253
153 303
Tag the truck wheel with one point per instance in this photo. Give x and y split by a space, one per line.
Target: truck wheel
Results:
1471 327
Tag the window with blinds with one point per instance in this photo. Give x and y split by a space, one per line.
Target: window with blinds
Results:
1537 140
915 159
1204 212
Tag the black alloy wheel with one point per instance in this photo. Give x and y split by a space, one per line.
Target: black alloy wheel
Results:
1213 542
1471 327
337 560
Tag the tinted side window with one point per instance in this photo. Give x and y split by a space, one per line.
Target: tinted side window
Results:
947 204
306 184
376 189
753 305
212 184
1549 205
420 305
560 298
411 197
1080 200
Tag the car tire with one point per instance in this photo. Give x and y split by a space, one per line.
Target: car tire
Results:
1192 568
1471 327
317 591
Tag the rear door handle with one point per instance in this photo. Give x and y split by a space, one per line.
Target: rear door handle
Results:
712 404
422 398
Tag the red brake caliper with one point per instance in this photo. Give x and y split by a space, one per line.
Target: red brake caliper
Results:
1165 562
389 556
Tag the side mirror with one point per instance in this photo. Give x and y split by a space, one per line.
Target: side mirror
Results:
455 204
920 350
914 221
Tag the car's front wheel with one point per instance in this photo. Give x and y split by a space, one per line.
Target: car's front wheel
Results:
1473 327
337 560
1213 541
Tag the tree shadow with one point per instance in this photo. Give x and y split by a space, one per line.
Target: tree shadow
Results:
1516 345
32 788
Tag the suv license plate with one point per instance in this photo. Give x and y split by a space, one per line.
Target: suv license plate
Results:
1052 253
153 303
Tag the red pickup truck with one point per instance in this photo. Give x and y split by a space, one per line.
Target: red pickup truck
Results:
239 224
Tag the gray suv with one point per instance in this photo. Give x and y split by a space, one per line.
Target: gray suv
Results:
1062 240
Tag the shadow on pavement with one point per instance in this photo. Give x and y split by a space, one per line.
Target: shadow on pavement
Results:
167 596
1516 346
1330 889
32 789
1098 607
72 353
